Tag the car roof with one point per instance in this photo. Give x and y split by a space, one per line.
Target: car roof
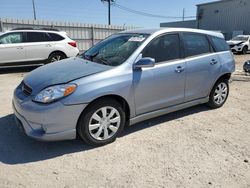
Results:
170 29
37 30
242 36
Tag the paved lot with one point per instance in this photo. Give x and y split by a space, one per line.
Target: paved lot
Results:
196 147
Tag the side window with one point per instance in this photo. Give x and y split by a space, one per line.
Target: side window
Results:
37 37
11 38
55 37
220 44
195 44
163 48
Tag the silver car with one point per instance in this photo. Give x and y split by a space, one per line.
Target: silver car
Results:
129 77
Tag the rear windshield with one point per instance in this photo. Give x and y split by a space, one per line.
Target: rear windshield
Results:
115 50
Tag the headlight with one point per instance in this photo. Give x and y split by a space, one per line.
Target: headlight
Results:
56 92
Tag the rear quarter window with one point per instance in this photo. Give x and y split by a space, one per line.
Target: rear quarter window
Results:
55 37
220 44
195 44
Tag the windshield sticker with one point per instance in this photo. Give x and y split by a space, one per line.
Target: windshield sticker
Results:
136 39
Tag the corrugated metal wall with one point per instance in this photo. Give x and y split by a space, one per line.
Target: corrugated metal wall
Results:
84 34
226 16
183 24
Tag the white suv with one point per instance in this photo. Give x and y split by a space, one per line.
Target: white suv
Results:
23 46
240 44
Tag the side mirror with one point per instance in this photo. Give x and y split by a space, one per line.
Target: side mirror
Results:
145 62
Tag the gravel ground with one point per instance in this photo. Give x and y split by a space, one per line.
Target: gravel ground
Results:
196 147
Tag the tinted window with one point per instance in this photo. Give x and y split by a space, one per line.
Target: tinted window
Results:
163 48
37 37
195 44
11 38
220 44
55 37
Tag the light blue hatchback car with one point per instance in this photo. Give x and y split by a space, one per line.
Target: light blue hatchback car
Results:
127 78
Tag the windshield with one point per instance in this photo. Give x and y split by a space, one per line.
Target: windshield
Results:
240 38
114 50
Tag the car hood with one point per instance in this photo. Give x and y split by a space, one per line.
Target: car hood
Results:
62 72
230 42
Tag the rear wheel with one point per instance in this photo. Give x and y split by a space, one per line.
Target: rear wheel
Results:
219 94
101 122
56 56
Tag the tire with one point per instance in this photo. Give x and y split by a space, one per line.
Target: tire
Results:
219 94
56 56
244 50
103 125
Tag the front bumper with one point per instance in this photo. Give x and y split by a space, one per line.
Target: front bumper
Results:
50 122
236 48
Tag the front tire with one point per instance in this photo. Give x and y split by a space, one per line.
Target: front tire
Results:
101 122
244 50
219 94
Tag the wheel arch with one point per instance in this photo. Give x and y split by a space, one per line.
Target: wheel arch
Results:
118 98
225 76
57 51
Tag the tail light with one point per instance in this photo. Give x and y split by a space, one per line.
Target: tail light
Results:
72 43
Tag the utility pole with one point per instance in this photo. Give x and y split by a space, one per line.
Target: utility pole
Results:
34 9
109 9
183 14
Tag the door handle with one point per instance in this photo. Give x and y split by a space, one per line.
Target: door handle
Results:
213 62
19 48
48 45
179 69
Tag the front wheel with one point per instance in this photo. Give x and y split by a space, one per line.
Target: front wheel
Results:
244 50
219 94
101 122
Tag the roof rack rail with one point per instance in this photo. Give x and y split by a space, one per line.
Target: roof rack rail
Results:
23 28
30 28
49 29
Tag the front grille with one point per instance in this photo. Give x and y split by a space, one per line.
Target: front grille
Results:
27 90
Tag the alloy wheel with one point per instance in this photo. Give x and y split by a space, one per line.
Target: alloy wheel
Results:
56 58
220 93
104 123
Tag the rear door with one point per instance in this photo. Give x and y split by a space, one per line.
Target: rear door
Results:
163 85
11 47
38 46
202 65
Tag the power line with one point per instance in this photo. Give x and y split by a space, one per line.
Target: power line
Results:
148 14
